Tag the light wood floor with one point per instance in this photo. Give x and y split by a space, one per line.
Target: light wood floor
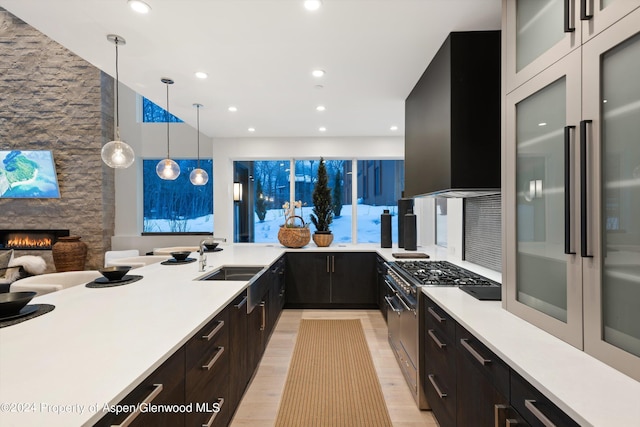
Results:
259 405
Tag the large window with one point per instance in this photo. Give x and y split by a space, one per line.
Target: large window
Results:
266 188
380 184
177 206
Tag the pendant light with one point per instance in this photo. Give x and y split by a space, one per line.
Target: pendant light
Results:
198 176
117 154
167 168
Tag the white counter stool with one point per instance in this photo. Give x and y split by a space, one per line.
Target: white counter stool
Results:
111 255
167 251
51 282
138 261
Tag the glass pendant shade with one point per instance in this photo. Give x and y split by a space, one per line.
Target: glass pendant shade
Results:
118 154
199 177
168 169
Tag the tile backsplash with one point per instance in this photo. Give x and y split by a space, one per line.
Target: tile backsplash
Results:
482 231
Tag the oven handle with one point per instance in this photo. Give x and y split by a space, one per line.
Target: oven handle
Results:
393 308
390 286
407 307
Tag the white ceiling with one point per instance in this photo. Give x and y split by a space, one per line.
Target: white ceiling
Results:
259 55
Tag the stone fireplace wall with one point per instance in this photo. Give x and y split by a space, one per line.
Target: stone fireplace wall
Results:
51 99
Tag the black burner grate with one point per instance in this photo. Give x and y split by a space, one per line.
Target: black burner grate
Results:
442 273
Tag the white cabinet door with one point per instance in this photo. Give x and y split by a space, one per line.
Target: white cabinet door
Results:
543 271
537 34
597 15
611 90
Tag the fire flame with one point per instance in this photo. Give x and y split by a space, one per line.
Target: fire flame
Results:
29 242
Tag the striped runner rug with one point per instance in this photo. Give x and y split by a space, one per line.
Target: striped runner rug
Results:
332 381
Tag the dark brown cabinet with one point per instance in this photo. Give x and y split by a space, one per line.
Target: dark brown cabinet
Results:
165 386
439 369
466 384
207 374
239 370
483 381
331 280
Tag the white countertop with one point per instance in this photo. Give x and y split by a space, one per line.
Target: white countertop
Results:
99 344
592 393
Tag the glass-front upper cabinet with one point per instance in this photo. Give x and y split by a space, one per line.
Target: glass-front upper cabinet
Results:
543 272
611 123
596 15
537 34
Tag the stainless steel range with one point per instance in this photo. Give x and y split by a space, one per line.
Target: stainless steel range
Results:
403 279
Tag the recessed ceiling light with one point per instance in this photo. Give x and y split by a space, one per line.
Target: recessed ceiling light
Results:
251 129
201 75
232 108
322 129
321 108
317 73
312 4
393 128
542 124
139 6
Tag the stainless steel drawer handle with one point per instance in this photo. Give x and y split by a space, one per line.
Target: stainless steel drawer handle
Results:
530 405
435 386
157 389
215 358
435 339
215 414
263 324
436 315
214 332
388 300
474 353
241 303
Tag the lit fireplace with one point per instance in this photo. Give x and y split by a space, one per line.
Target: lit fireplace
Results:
30 239
22 241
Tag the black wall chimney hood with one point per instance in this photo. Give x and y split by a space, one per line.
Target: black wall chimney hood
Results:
452 120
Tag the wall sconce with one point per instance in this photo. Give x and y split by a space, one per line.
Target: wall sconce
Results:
535 190
237 192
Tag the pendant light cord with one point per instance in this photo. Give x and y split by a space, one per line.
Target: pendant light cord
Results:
117 94
167 116
198 132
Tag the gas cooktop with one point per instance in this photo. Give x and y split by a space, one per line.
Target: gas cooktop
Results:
441 273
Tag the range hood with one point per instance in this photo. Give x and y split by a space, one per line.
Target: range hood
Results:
452 120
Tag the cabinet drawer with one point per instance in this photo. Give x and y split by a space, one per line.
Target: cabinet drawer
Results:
214 334
440 391
437 319
439 352
486 361
165 386
534 407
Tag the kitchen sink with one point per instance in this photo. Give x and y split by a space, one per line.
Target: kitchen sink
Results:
238 273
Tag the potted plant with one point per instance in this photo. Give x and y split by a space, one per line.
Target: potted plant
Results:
322 214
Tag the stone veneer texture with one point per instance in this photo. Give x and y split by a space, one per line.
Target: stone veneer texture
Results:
51 99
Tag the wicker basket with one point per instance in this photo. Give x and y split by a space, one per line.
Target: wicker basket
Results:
294 236
69 254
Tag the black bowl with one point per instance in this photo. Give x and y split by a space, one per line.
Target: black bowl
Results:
180 256
13 302
115 272
211 246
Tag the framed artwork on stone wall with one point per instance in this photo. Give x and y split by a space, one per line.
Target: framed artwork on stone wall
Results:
28 174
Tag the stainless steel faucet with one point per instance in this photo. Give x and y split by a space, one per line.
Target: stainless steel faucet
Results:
202 260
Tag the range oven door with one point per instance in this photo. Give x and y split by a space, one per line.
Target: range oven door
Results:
393 322
409 343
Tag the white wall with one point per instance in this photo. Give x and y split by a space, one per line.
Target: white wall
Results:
150 141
